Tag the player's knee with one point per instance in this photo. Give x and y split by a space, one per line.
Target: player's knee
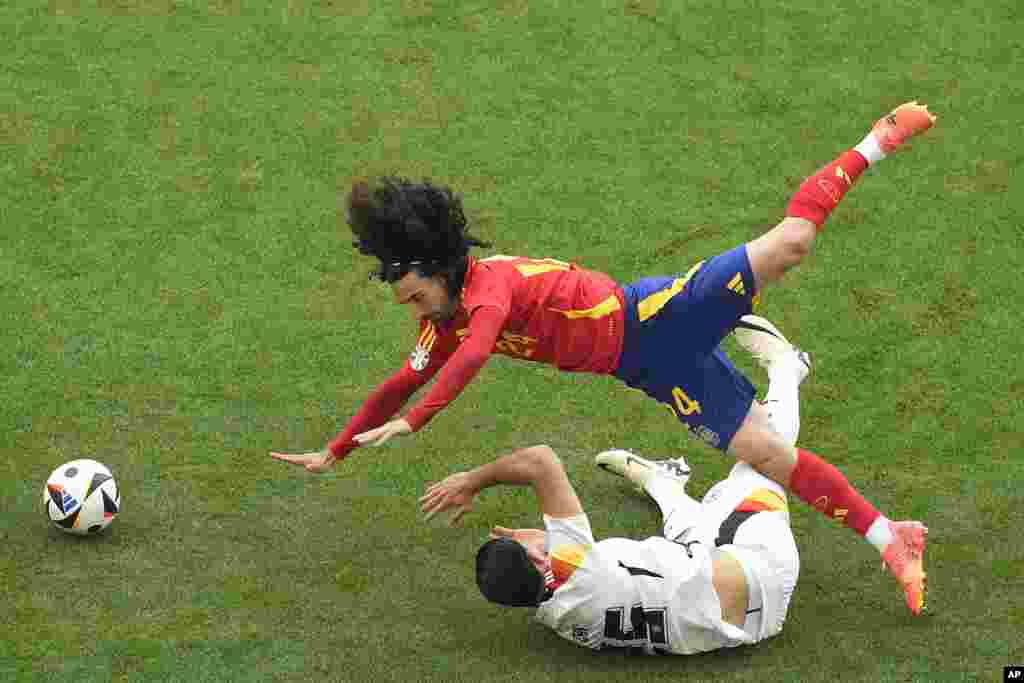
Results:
760 446
781 249
797 242
776 461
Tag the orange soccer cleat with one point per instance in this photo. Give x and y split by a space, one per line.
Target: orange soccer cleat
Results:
901 124
904 558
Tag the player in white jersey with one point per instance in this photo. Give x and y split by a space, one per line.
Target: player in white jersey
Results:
721 575
725 580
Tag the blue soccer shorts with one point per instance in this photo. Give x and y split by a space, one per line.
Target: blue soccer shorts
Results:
673 326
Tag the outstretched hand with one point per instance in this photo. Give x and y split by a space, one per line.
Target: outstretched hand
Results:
375 437
454 491
317 462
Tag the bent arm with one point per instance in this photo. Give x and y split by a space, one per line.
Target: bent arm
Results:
538 467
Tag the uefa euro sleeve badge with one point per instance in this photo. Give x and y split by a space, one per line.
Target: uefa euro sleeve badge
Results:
419 358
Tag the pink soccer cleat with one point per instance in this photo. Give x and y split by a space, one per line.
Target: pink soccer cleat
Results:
904 558
901 124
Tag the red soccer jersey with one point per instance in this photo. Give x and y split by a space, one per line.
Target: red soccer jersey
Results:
540 310
554 312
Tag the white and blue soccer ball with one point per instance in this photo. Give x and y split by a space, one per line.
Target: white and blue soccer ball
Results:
81 497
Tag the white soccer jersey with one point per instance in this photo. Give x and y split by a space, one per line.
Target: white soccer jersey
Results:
653 594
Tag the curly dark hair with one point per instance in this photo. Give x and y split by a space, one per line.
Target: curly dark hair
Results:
411 226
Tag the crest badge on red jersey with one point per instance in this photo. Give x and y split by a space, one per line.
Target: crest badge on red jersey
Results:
420 356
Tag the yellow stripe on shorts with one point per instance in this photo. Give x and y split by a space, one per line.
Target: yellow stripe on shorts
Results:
651 304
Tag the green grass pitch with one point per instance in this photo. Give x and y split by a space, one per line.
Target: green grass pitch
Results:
179 298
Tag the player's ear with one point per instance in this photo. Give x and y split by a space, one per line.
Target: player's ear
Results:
536 554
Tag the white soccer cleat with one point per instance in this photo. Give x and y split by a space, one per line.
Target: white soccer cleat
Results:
769 346
639 470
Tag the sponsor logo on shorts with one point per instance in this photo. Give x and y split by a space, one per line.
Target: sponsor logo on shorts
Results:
736 285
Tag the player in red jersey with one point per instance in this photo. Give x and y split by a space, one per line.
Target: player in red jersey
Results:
659 335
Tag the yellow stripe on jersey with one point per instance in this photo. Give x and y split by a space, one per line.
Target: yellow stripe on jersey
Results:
650 305
540 266
606 307
566 559
427 337
531 266
761 500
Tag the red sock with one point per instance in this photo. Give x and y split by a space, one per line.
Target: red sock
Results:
823 487
821 192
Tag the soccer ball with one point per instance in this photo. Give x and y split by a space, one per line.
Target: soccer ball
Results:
81 497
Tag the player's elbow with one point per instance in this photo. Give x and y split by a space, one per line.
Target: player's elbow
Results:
542 461
543 453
